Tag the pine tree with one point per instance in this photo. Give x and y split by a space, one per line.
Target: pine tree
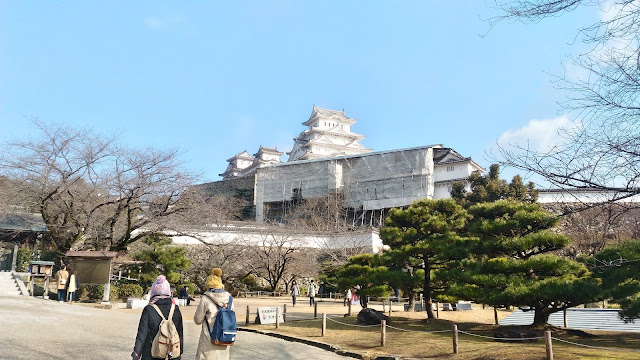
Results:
428 234
367 273
511 262
404 272
619 268
161 258
491 188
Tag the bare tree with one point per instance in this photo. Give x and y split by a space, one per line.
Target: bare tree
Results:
93 193
326 219
273 254
593 229
231 258
602 149
202 210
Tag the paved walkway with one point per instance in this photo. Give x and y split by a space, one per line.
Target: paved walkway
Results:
35 328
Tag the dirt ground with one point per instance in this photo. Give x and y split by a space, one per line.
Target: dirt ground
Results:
336 307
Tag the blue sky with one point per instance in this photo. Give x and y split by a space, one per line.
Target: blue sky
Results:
216 78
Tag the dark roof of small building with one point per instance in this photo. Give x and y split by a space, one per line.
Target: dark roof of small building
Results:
92 254
21 221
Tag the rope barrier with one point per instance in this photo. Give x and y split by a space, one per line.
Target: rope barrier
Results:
495 338
331 318
300 317
419 331
335 321
594 347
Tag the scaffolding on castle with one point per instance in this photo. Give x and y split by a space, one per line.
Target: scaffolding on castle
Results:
370 183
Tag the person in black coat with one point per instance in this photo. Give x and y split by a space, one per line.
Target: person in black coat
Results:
150 320
184 294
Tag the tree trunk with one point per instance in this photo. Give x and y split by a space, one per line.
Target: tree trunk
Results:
427 287
541 316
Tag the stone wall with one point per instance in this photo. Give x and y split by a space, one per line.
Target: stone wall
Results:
242 188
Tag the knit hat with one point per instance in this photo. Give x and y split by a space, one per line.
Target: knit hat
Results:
160 287
214 281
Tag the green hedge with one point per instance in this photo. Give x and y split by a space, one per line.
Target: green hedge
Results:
130 290
95 292
23 260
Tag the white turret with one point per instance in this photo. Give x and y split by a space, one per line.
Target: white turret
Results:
329 135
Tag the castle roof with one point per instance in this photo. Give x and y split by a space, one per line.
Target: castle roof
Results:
264 149
328 113
241 155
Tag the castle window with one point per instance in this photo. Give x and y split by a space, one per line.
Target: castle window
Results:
450 168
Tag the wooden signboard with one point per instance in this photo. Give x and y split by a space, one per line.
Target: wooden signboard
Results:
267 315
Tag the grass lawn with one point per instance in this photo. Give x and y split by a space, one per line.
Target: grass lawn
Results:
418 345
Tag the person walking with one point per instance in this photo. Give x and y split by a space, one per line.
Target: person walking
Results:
62 276
311 291
214 298
355 298
347 297
295 291
160 296
73 286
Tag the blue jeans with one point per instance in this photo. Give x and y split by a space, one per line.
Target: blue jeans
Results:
312 300
61 294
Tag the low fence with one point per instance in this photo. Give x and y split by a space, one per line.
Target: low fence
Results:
330 295
455 332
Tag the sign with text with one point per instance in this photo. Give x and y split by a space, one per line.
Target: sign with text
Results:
267 315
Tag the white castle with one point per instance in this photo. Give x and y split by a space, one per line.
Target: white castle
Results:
328 158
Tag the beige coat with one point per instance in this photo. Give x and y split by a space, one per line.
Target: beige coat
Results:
61 279
207 311
72 283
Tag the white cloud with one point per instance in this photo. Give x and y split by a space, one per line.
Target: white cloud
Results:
609 9
536 135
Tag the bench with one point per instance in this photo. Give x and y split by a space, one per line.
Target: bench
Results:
447 307
136 303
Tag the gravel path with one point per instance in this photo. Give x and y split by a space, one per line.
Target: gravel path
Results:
35 328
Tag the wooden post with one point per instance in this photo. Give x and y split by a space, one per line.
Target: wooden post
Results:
14 258
437 310
384 306
247 320
454 331
324 323
277 317
284 313
495 315
390 302
315 310
547 341
383 332
349 311
46 288
564 315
